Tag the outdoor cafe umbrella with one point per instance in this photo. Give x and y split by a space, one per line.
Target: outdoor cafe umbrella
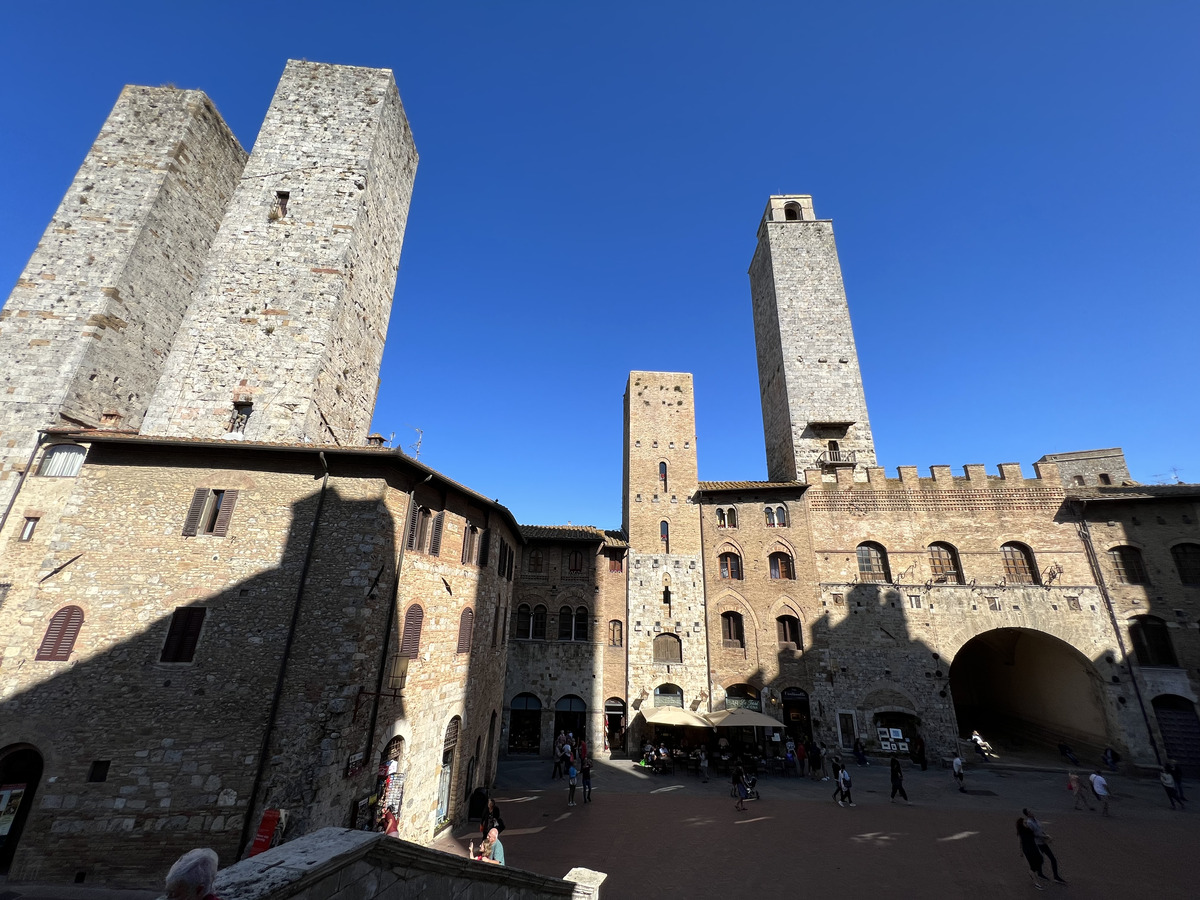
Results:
674 715
737 718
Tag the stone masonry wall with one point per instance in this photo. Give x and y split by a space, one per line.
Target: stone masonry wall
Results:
89 324
294 304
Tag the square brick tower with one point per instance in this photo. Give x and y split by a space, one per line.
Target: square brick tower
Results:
86 331
284 338
814 410
666 648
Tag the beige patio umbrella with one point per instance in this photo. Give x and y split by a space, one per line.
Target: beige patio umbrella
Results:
736 718
674 715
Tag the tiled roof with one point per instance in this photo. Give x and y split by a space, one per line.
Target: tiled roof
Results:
749 485
587 533
1136 492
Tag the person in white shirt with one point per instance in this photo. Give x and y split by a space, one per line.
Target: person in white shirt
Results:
958 772
1100 789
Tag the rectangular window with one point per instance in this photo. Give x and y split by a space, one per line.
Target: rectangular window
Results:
210 512
28 528
99 770
241 416
993 603
616 565
183 634
914 601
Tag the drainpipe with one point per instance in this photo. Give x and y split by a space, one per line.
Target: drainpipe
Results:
248 824
1085 532
12 501
391 618
704 599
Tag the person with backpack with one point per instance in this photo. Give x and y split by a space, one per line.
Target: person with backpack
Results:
572 774
739 785
845 783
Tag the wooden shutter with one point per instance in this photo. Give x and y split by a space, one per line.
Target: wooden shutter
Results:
512 554
410 643
191 524
184 634
466 627
484 547
60 636
452 734
410 540
435 542
221 526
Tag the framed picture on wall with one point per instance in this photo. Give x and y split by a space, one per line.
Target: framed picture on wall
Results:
902 746
897 734
883 734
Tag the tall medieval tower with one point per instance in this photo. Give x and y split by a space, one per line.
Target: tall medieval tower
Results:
666 653
284 337
814 410
87 329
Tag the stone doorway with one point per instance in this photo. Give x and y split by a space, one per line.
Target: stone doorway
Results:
20 773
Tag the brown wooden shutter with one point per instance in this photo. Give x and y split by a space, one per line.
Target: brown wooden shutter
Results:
512 554
60 636
435 542
221 526
466 628
410 643
452 734
485 541
183 634
191 524
410 540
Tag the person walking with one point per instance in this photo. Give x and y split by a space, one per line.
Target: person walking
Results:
1100 789
801 757
491 819
704 765
1168 782
739 785
1029 850
845 783
860 752
587 779
918 752
1081 798
959 773
1042 841
572 774
898 779
558 752
1176 771
823 753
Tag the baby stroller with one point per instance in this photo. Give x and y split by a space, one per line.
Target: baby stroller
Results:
751 788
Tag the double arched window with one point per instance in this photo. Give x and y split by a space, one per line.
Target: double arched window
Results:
575 562
731 565
1019 565
873 563
776 516
1152 641
944 563
668 649
781 566
535 562
573 624
733 631
787 629
727 517
1187 562
1127 561
531 623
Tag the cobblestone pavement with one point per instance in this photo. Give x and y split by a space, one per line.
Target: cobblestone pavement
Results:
673 836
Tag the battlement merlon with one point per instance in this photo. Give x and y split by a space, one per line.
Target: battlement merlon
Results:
941 478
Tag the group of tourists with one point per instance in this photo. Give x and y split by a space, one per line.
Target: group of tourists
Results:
573 761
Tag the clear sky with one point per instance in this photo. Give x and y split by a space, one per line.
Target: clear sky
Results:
1014 188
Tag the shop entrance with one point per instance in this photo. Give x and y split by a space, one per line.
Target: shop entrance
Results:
525 724
570 715
614 723
20 772
796 716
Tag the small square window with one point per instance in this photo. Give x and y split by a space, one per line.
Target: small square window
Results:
993 603
914 601
99 770
838 599
28 528
1073 603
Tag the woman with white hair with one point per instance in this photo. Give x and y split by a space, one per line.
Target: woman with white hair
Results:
192 876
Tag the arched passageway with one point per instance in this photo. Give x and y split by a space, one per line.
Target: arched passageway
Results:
1021 688
570 715
20 773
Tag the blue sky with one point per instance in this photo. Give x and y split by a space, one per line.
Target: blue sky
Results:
1014 188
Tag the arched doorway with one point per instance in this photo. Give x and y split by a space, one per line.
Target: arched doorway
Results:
20 773
668 695
614 723
525 724
797 719
1180 730
391 779
1024 687
570 716
742 696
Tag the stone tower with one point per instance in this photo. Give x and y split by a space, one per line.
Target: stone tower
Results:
814 410
87 328
665 586
284 338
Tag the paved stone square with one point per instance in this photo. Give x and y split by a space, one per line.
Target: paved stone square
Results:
673 836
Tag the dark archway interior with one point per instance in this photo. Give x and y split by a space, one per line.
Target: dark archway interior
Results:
1023 689
20 772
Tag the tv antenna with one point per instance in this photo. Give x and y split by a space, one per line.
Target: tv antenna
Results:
416 447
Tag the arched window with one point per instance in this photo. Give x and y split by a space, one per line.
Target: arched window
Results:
60 636
791 212
466 628
581 624
62 461
410 643
787 628
769 513
1019 567
668 649
873 563
1152 641
720 517
565 619
781 518
944 564
575 562
731 516
668 695
662 475
733 633
449 745
731 565
539 623
1129 565
664 535
742 696
535 562
781 566
1187 562
524 629
616 633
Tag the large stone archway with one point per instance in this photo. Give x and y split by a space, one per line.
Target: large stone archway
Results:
1023 687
